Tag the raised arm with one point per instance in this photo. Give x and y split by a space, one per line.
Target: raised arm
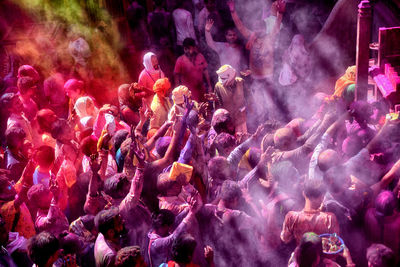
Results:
238 23
280 7
209 39
132 198
387 179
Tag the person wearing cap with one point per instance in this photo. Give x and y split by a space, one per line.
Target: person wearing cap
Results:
229 93
178 96
161 103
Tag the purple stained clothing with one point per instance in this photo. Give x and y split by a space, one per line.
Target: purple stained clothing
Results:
42 177
159 247
52 220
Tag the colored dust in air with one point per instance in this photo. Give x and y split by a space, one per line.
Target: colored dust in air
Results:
45 40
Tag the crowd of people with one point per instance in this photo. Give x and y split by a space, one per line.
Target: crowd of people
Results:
193 168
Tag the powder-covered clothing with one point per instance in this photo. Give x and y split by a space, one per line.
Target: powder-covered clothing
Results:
183 25
52 220
232 99
104 252
191 74
159 250
22 218
160 111
299 222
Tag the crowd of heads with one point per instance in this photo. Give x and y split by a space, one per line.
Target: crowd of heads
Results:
216 157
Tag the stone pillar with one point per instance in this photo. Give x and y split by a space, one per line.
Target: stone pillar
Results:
362 58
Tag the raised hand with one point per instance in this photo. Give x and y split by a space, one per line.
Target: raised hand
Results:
209 25
231 5
27 175
194 203
138 151
267 155
94 164
188 104
54 188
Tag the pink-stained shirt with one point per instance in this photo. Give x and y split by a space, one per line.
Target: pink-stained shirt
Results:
299 222
53 220
191 73
104 252
147 78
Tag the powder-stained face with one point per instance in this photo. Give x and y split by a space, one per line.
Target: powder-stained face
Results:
154 62
231 36
190 51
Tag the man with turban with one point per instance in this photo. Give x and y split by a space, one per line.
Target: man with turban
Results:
229 92
178 96
161 103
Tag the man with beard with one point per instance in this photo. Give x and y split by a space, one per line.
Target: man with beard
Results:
150 74
261 62
229 52
190 69
110 226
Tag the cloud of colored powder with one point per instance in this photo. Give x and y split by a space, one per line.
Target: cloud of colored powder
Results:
56 23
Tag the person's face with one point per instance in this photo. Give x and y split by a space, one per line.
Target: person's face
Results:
90 108
231 36
190 51
73 94
154 62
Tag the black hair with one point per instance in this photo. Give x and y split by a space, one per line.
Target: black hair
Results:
105 220
189 42
41 247
128 256
58 128
314 188
229 28
221 121
25 83
379 255
119 137
224 141
308 250
216 168
13 135
230 191
36 191
88 221
183 248
163 218
115 185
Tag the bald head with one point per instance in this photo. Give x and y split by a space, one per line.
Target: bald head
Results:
284 138
327 159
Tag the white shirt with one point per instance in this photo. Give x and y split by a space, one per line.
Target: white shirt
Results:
184 25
